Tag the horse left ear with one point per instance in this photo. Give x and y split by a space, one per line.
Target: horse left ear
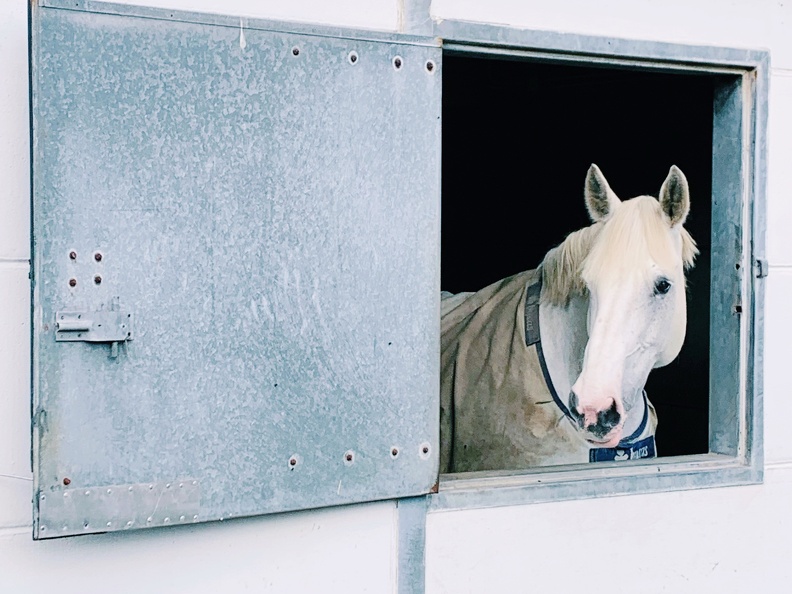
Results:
675 196
601 201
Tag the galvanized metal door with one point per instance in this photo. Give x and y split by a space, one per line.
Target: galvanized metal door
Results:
236 267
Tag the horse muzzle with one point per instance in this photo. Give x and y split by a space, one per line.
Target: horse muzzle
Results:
601 427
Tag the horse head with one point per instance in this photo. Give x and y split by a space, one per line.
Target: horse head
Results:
634 276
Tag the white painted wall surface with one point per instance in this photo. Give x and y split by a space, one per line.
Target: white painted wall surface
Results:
735 540
723 540
341 550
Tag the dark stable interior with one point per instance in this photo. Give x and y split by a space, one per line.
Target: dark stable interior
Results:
518 138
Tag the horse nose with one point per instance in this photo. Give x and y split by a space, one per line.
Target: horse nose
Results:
606 419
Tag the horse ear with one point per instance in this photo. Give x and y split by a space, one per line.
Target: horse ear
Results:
675 196
600 199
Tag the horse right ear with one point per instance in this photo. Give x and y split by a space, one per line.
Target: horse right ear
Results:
675 196
601 201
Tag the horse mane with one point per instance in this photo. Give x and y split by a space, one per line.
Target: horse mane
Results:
635 231
561 276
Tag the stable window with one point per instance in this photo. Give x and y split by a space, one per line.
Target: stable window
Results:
237 253
524 114
518 137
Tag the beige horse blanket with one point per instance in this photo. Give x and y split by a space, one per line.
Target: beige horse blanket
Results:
498 407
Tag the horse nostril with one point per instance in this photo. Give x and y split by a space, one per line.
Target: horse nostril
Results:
573 403
573 409
608 419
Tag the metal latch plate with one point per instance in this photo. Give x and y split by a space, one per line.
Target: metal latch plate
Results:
95 326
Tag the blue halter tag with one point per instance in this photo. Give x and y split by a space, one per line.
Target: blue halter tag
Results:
635 451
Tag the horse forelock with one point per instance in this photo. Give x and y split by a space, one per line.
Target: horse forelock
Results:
561 267
636 235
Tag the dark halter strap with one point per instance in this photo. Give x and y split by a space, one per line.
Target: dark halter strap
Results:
533 337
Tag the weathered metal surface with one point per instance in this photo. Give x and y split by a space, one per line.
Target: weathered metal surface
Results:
587 481
754 290
268 208
730 192
415 17
68 512
615 50
411 567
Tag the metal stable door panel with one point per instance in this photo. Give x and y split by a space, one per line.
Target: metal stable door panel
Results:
235 267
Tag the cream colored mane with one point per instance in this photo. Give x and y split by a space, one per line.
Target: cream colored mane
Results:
635 234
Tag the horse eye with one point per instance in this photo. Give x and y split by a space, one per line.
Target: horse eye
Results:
662 287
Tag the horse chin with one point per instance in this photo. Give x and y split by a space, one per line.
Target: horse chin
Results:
613 439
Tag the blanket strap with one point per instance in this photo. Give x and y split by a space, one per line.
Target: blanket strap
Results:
532 294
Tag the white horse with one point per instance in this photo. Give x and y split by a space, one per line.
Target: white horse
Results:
574 339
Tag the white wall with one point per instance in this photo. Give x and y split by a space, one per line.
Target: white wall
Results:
734 540
14 254
724 540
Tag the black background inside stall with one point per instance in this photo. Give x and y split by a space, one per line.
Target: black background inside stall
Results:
518 138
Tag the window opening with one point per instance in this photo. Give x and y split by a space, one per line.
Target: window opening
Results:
518 138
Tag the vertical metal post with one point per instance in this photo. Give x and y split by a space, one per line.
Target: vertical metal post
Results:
411 569
415 17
